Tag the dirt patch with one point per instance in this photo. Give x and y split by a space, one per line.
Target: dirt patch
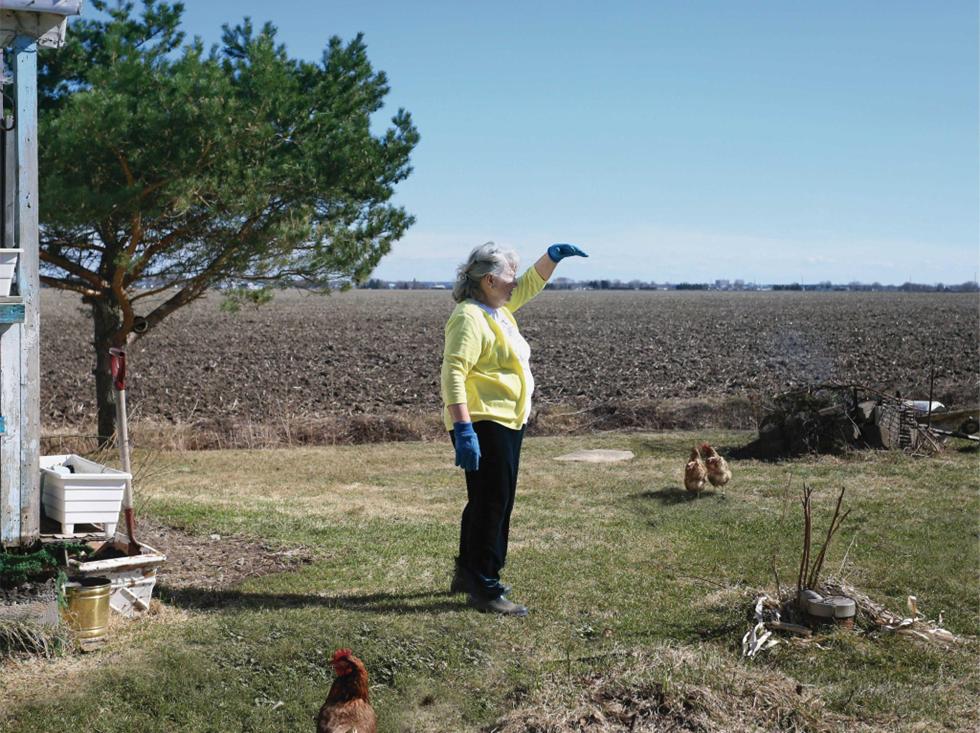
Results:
364 365
214 562
27 592
195 562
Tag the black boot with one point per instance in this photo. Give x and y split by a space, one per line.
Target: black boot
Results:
460 582
500 604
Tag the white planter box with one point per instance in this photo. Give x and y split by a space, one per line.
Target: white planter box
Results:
8 269
90 494
132 578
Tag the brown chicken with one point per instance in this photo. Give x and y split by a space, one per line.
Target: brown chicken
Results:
718 471
347 709
695 474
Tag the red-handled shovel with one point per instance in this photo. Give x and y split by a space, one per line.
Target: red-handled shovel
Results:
117 362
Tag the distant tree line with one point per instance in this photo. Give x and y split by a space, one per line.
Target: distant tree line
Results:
567 284
376 284
563 283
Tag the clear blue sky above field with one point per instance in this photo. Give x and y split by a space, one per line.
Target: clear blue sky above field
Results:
768 141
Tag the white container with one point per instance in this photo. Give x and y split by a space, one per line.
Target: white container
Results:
8 269
132 578
90 494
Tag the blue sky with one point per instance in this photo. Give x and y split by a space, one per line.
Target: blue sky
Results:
768 141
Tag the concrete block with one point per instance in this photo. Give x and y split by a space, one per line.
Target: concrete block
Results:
865 410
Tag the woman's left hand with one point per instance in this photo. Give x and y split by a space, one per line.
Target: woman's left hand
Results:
558 252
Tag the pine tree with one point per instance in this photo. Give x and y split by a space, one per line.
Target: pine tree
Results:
166 164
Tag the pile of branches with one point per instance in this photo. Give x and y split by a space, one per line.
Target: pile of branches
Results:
803 422
835 419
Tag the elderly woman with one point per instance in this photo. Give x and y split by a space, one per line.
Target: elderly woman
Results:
487 387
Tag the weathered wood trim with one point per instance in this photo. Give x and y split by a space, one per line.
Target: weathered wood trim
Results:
9 364
10 440
11 313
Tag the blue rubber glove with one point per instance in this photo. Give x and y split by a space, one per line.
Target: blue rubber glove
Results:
467 446
558 252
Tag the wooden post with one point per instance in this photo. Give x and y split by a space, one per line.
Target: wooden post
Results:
932 384
9 367
25 97
20 399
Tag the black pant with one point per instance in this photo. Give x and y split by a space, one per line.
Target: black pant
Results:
486 519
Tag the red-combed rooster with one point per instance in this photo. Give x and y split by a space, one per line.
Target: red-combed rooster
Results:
347 709
695 473
718 471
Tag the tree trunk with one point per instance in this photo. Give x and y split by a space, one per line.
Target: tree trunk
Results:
107 317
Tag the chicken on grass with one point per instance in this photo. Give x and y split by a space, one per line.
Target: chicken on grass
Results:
718 471
347 709
695 474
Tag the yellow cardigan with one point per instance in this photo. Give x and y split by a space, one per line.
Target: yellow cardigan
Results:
479 367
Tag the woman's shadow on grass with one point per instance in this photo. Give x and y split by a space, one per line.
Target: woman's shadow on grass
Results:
383 603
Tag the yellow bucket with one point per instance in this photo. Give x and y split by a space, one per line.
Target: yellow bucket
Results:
88 607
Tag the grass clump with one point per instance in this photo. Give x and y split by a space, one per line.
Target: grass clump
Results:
19 640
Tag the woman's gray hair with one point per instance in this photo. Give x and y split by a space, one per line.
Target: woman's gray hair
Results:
487 259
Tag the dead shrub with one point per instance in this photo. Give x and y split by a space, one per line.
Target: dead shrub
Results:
291 430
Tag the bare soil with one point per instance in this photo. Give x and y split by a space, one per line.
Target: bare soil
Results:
27 591
213 562
371 359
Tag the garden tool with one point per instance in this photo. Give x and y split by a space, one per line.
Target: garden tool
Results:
117 363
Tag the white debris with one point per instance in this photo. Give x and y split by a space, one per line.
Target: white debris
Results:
753 642
924 405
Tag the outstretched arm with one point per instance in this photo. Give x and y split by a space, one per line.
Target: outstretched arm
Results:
555 254
545 267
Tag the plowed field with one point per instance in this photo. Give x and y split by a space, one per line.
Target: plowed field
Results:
378 353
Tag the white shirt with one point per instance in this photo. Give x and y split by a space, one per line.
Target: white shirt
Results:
520 347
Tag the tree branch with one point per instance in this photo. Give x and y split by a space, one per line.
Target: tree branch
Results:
151 293
154 249
75 269
203 162
125 166
67 285
198 283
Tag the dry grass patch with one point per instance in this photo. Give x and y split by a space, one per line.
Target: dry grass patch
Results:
369 501
670 689
36 679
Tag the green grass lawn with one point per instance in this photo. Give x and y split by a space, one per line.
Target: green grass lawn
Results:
639 598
